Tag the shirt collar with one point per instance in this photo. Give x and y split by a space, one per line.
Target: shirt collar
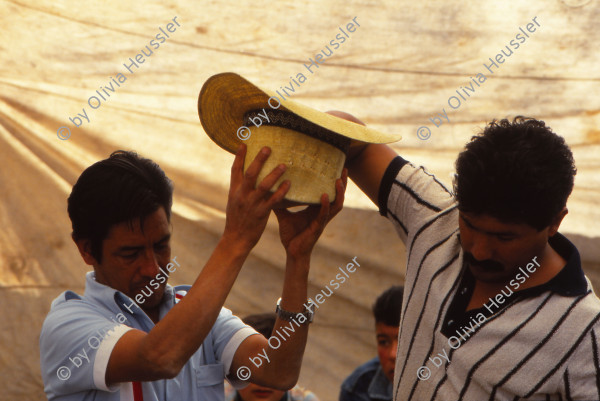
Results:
570 281
117 302
102 294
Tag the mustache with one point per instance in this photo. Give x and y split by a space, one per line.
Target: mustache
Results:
483 264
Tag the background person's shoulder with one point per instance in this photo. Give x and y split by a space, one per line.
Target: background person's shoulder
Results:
361 377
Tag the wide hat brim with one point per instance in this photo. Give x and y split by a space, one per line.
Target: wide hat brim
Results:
225 99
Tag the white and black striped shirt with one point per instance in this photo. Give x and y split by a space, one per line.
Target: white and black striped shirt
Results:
540 345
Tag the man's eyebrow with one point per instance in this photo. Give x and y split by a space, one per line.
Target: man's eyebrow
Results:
164 239
129 248
138 247
496 233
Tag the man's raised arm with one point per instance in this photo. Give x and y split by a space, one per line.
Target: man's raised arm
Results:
366 163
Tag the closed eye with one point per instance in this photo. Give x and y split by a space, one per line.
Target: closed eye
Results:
130 255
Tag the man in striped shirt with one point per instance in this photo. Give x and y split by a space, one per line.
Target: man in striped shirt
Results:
496 305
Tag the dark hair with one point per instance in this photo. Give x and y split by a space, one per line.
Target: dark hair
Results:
119 189
388 306
518 172
264 323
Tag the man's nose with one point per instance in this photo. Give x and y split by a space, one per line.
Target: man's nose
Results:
150 266
481 248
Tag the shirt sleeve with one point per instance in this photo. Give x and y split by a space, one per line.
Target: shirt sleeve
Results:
75 344
410 195
229 332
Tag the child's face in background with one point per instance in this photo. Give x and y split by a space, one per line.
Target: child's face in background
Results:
254 392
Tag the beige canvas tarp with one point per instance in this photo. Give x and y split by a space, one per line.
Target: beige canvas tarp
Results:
405 63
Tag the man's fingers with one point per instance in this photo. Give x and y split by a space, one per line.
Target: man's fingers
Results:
340 189
278 195
237 168
321 220
267 183
255 167
345 177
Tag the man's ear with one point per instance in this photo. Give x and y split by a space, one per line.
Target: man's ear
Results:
553 228
85 250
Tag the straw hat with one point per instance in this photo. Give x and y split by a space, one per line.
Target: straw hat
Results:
312 144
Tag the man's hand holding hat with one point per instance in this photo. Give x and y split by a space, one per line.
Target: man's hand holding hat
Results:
248 204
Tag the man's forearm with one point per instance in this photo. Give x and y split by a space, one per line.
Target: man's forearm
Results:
366 169
286 360
181 332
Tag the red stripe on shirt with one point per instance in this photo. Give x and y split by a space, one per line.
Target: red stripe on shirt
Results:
137 391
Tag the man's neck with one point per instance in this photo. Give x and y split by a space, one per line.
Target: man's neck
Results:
153 314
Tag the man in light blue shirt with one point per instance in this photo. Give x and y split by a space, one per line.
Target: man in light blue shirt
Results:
131 336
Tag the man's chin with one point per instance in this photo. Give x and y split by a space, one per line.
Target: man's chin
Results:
153 300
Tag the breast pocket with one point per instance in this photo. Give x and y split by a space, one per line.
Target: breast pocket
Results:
209 382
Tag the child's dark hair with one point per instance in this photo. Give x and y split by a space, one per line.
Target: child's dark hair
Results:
388 306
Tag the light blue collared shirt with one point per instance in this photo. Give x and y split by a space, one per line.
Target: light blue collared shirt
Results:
80 333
